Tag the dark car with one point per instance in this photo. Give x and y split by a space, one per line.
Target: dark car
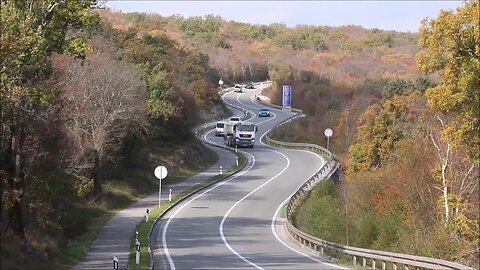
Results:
263 112
250 85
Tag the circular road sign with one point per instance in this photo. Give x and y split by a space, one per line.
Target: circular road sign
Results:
160 172
328 132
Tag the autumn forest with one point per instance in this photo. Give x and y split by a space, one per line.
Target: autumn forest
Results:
88 96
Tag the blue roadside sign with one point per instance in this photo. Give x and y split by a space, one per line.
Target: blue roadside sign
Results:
287 96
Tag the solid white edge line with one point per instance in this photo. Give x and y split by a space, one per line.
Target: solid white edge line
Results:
274 221
222 235
167 253
280 207
169 220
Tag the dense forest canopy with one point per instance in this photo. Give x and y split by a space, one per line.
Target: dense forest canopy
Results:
81 103
242 52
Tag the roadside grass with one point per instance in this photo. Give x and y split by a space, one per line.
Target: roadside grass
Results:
143 228
123 187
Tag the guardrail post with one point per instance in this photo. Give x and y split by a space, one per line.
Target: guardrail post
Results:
383 266
364 262
394 266
354 260
373 264
406 267
321 250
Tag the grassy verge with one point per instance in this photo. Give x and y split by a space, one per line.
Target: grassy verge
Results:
143 228
124 187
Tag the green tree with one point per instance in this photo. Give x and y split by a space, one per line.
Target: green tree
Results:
450 44
397 87
380 38
30 32
160 94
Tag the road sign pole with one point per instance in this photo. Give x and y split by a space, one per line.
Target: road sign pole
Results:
328 133
160 190
160 172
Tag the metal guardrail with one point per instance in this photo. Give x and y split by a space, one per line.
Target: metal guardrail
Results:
319 245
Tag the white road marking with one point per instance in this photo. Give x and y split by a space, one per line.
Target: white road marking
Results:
169 258
222 235
165 228
241 103
283 203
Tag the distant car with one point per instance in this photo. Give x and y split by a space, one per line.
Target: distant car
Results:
237 88
219 128
250 85
263 112
235 119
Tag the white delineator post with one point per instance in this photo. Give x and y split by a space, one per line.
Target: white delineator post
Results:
236 158
115 263
137 255
146 215
170 195
221 171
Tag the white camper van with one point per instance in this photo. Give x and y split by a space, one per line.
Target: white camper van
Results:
219 128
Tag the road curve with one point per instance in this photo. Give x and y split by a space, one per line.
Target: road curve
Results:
235 224
115 237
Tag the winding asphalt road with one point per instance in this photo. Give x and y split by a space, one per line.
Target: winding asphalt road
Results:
236 224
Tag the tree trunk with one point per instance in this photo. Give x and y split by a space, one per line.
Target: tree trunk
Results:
17 182
445 193
15 217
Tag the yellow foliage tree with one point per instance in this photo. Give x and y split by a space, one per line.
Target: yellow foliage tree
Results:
450 44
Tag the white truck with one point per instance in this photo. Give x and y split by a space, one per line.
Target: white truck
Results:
240 134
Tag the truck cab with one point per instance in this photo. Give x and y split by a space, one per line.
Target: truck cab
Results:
241 134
